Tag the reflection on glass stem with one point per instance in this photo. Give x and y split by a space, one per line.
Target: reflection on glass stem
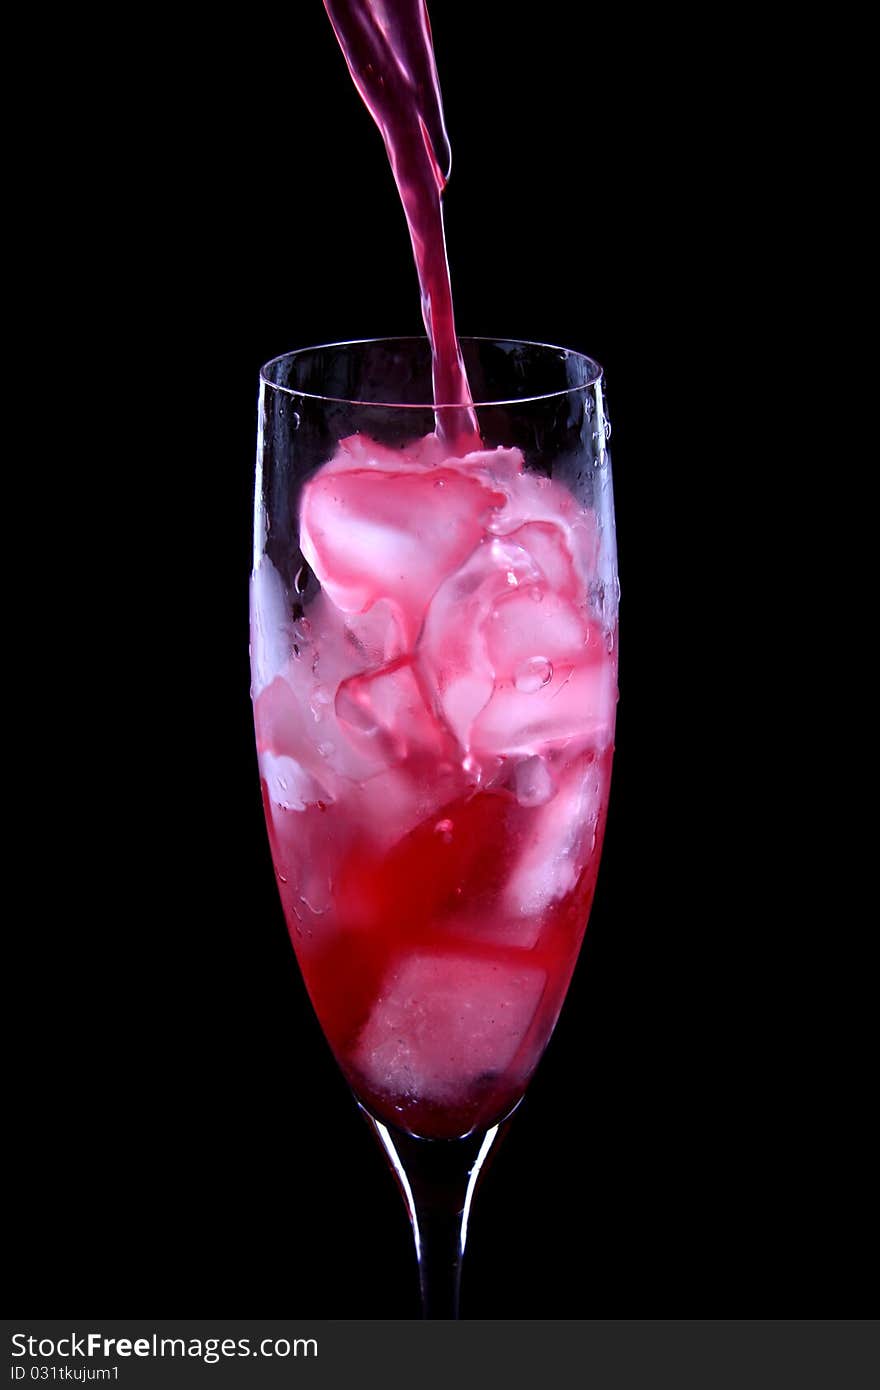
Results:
438 1179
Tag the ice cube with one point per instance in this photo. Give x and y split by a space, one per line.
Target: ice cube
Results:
376 637
499 467
385 710
378 534
389 806
576 705
559 841
546 543
271 625
289 726
521 630
306 855
533 782
453 650
498 928
444 1021
296 715
289 785
533 499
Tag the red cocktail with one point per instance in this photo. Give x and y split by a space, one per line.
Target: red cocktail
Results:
434 617
435 735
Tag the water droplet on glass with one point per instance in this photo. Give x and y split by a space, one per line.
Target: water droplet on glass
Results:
532 674
325 749
444 828
301 581
319 903
609 641
294 420
322 695
440 482
536 594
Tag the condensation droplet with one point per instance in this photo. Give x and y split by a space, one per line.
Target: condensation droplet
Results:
444 829
294 420
531 675
319 906
325 749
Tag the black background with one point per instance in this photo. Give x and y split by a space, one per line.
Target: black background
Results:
181 1139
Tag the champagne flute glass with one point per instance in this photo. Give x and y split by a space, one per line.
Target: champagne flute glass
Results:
434 658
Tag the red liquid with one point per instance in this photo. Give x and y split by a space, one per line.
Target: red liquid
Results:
436 753
390 56
435 1010
435 733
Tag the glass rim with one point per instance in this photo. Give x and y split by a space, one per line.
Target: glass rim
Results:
596 378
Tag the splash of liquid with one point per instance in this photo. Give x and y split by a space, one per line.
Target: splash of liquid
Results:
390 54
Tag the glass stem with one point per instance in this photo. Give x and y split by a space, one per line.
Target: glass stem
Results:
438 1179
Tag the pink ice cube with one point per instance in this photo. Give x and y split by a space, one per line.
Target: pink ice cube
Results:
375 637
559 841
530 625
499 467
291 722
388 806
575 705
289 785
444 1021
385 709
545 541
453 650
532 499
373 534
296 714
